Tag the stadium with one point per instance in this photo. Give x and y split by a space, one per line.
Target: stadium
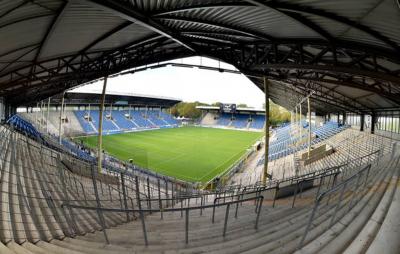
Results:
118 172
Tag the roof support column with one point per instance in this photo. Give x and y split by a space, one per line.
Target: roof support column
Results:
373 121
301 127
338 118
266 91
362 120
48 115
100 131
60 124
41 116
36 113
309 126
344 117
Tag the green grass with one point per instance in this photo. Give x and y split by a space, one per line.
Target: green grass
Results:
193 154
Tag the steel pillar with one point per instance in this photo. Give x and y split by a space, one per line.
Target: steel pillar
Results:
309 126
48 115
301 127
60 124
362 122
266 91
100 131
373 121
344 117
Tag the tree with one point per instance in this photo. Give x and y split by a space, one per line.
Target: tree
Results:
277 114
187 109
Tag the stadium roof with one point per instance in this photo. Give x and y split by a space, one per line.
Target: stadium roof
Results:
255 110
122 99
347 51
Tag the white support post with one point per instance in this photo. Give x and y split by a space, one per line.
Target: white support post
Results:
60 124
48 115
301 126
100 131
309 126
37 112
41 115
265 170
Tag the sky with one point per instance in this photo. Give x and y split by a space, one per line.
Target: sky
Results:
187 84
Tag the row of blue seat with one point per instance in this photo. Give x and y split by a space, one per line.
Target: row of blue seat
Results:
118 121
24 126
240 121
285 144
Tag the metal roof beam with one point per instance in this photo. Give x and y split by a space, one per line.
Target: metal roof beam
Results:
13 22
331 69
49 32
222 26
392 97
201 6
14 8
298 18
289 7
132 15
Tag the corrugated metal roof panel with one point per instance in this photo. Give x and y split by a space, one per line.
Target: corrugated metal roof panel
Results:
258 19
22 34
352 9
385 18
79 26
129 34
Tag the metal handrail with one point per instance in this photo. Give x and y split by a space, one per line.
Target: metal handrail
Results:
341 186
259 200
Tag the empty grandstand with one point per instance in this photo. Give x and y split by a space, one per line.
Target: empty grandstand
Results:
123 113
325 182
239 118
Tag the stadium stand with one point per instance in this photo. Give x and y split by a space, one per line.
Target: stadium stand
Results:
341 58
140 119
85 123
236 120
286 141
258 122
240 121
64 219
224 120
122 121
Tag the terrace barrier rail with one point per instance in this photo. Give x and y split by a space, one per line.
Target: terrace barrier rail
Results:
332 203
100 210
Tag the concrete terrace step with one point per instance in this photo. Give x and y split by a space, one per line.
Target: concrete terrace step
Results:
34 186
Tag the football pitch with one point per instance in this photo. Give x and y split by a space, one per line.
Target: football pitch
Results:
194 154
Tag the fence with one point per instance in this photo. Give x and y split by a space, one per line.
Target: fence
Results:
185 210
334 203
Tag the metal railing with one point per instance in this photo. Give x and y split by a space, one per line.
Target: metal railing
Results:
258 199
348 192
